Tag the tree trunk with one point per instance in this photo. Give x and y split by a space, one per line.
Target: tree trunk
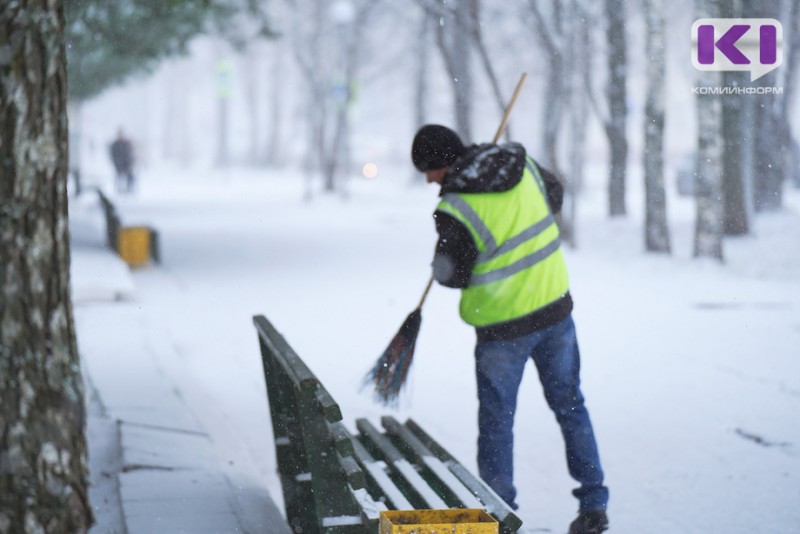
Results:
736 220
453 39
768 172
274 150
616 94
735 201
551 36
43 475
307 23
483 54
460 36
351 34
710 147
223 104
656 229
580 52
252 93
421 80
171 89
791 149
773 129
554 95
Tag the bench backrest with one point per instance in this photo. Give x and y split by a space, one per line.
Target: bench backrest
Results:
112 220
320 478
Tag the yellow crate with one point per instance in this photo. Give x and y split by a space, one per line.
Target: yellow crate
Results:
134 246
452 521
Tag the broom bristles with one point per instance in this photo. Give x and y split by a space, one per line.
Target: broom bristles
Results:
389 373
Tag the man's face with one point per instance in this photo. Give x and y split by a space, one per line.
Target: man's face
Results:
435 175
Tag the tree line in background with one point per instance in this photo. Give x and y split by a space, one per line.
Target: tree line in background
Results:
338 46
745 153
746 148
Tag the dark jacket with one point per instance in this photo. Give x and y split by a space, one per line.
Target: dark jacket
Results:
486 169
122 154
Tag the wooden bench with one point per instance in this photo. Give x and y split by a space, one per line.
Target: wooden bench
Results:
114 228
335 482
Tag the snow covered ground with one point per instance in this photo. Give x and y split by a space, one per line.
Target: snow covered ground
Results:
691 369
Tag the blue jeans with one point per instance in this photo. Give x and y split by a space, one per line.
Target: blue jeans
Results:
499 366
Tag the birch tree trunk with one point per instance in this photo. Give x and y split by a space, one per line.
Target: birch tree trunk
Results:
736 220
734 131
710 147
785 104
43 474
790 88
616 93
773 128
656 230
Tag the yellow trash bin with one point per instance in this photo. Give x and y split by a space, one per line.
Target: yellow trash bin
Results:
134 245
452 521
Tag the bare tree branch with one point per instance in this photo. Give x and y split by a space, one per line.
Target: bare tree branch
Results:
484 55
588 11
442 44
435 7
550 41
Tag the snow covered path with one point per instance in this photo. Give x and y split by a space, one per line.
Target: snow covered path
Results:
691 370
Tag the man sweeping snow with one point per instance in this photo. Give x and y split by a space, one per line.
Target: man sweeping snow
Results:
498 243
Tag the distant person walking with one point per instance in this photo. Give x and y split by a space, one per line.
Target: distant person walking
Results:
122 157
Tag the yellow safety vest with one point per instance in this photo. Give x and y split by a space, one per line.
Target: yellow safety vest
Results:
520 266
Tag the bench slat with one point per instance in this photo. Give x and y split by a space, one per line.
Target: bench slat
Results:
436 467
491 501
400 465
376 471
355 476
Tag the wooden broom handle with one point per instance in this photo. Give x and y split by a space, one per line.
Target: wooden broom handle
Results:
510 105
497 135
425 293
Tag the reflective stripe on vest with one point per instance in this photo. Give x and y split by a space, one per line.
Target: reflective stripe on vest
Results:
518 250
469 214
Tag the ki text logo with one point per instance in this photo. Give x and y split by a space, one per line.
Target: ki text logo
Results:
754 45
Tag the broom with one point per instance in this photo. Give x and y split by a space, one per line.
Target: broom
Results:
389 373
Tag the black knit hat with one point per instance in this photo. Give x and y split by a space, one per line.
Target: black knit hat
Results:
435 147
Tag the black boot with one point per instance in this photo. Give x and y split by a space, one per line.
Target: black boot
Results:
591 522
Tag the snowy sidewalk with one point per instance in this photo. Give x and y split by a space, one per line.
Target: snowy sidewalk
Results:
170 477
